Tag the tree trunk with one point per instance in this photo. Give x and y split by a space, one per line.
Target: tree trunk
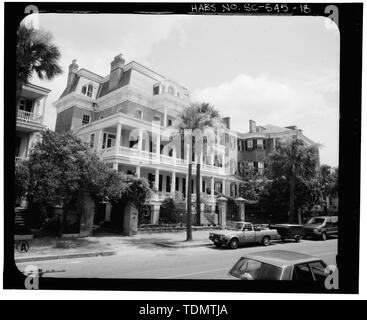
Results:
188 220
198 194
299 216
292 188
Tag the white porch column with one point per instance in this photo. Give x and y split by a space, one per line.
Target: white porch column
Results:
116 165
201 184
156 179
99 140
140 142
165 117
44 107
223 186
173 183
212 188
138 171
212 198
212 158
158 146
118 138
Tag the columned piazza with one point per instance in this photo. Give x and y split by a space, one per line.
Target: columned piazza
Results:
174 183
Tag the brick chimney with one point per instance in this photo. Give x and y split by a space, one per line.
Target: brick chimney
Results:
252 126
227 122
292 127
116 71
73 68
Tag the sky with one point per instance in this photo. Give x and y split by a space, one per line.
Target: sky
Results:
274 70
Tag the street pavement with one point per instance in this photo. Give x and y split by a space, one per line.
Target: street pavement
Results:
156 262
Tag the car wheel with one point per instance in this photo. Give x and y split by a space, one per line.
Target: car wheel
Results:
323 236
283 239
233 244
217 245
266 241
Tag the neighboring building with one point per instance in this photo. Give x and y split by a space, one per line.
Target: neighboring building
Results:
255 146
128 118
30 116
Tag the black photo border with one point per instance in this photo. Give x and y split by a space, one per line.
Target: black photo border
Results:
350 26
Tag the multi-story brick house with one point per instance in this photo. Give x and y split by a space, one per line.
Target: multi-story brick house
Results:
255 146
30 118
128 118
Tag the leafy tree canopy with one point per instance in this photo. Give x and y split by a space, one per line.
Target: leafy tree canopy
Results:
253 183
293 157
21 180
199 116
61 165
294 160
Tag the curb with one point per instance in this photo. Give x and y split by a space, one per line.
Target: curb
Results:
66 256
178 245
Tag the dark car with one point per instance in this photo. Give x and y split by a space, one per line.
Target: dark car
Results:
321 227
289 231
279 265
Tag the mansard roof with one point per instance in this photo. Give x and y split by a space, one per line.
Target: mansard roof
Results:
104 88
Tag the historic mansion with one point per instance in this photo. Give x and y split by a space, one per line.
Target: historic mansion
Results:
129 117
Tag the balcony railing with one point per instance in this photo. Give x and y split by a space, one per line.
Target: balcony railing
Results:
179 196
29 116
152 157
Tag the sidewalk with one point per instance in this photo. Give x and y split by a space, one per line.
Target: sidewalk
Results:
107 244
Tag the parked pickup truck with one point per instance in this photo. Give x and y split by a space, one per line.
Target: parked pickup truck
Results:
237 233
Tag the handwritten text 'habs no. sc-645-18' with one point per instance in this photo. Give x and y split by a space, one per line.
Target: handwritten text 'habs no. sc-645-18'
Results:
251 8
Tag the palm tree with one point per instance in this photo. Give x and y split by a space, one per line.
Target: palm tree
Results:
328 179
198 116
291 159
35 53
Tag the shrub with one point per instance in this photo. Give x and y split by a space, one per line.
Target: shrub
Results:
21 179
171 212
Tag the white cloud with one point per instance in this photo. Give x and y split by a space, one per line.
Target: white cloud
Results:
271 102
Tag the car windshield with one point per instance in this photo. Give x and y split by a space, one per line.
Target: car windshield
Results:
316 221
249 269
234 225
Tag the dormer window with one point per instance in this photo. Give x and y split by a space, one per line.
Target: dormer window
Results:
139 114
87 90
155 90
